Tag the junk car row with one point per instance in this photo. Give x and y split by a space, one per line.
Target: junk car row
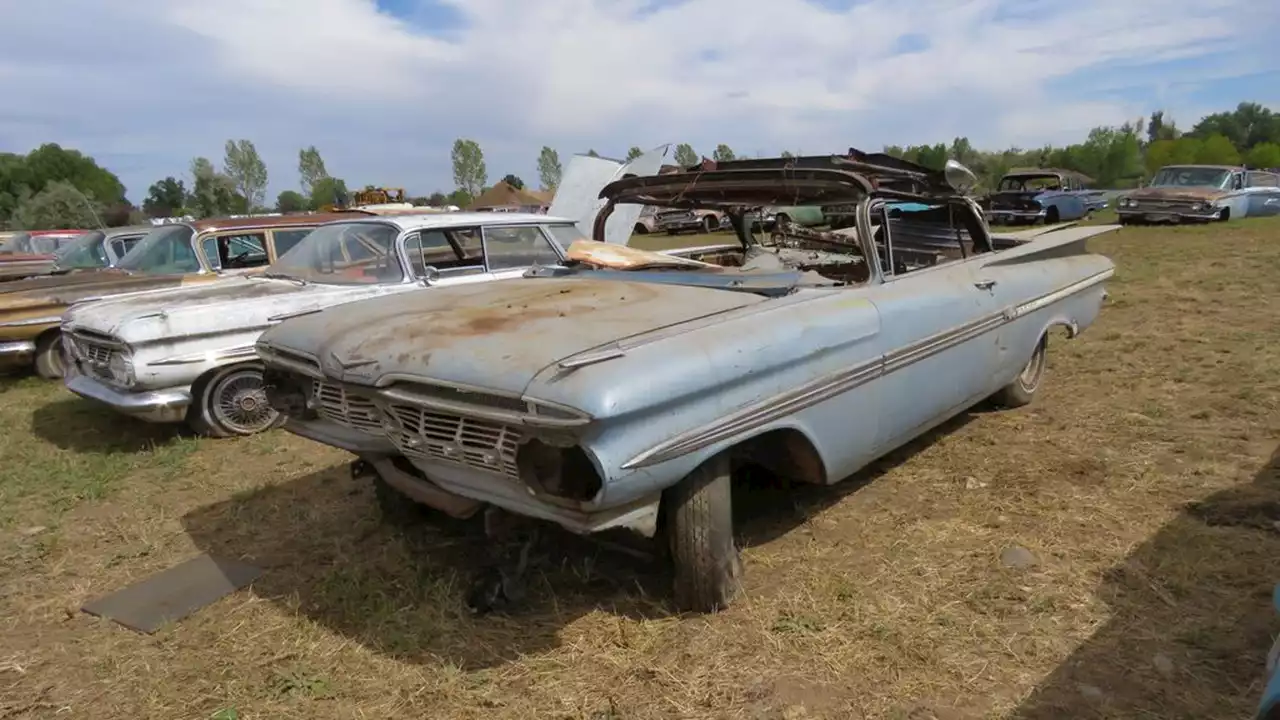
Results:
505 363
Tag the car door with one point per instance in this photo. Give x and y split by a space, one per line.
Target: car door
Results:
1264 194
936 325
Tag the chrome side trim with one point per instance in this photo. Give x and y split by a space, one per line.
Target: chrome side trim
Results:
591 358
235 353
759 413
1045 300
33 321
767 411
297 313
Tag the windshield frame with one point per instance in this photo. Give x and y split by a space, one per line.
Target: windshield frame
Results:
1223 176
144 245
1023 178
87 241
319 235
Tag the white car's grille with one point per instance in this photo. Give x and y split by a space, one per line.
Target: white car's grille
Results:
95 353
477 444
95 357
337 405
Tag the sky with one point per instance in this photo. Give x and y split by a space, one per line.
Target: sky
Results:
384 87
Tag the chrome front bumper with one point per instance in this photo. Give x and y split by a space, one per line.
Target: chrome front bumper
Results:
1168 215
158 406
16 353
996 216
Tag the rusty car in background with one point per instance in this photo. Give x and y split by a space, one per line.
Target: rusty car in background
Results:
168 256
187 354
1044 195
32 252
625 388
1202 193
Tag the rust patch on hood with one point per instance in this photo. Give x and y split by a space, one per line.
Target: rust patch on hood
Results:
1177 193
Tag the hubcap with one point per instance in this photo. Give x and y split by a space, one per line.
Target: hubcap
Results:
239 403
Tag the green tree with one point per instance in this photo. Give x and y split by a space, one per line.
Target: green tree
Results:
310 168
59 205
247 171
1159 154
1248 125
461 198
51 163
1185 150
549 168
291 201
328 191
469 172
634 153
685 156
789 154
212 193
592 153
1218 150
1264 155
165 198
1158 128
722 153
437 198
513 181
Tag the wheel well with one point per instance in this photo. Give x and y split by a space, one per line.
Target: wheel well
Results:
197 386
787 453
1226 214
47 336
640 229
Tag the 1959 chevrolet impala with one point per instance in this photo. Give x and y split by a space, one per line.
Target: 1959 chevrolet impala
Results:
623 388
186 354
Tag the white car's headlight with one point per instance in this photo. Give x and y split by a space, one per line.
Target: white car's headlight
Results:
121 369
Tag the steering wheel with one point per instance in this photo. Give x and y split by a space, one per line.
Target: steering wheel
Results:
235 261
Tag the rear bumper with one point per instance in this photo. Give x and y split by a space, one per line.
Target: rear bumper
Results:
158 406
16 353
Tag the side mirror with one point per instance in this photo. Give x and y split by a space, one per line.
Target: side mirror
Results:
960 178
430 275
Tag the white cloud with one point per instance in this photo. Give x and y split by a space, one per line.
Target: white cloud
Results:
146 85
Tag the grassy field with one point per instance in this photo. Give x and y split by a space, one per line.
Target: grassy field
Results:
1139 483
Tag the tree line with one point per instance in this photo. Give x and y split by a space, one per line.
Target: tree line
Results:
56 187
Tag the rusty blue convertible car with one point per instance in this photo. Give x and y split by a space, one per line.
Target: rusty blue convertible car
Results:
624 388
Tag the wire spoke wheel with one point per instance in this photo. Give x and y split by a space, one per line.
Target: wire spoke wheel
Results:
238 403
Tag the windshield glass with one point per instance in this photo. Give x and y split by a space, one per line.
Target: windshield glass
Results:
85 251
1031 182
164 250
346 253
1190 177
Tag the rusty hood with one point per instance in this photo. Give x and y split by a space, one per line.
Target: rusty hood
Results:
496 336
77 286
1202 194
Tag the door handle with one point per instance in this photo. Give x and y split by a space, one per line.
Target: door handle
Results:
985 284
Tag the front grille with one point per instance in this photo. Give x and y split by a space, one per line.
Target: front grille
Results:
1168 205
476 444
95 353
678 215
335 404
95 356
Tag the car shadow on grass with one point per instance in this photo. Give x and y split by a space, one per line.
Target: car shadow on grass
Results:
1191 618
73 423
402 590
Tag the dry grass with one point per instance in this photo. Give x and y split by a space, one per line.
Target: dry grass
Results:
1136 480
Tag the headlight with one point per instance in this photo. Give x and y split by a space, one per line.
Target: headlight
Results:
121 369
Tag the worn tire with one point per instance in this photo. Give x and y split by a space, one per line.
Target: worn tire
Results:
1023 389
204 417
1051 216
48 359
709 224
699 527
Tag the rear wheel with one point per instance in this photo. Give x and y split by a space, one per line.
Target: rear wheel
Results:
231 402
699 528
1051 216
48 358
1022 390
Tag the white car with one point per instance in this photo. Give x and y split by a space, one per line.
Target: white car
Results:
187 354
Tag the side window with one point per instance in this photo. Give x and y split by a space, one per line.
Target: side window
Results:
284 240
565 235
236 251
1237 181
469 243
122 245
430 248
1262 179
511 248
